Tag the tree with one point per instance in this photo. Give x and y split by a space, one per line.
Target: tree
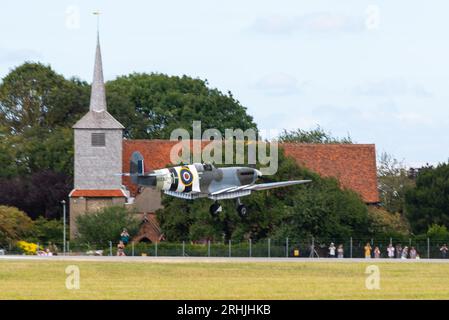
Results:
437 232
387 224
428 202
15 225
45 231
33 95
393 183
317 135
106 225
38 194
150 106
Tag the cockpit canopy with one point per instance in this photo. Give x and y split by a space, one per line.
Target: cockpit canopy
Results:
208 166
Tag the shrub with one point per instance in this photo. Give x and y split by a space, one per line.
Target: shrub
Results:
46 231
14 225
106 224
27 248
437 232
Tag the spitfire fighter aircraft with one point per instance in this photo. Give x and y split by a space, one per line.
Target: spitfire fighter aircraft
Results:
203 181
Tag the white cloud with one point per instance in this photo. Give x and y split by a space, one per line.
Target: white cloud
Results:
18 55
278 83
392 87
322 22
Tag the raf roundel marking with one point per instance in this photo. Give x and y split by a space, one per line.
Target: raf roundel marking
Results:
186 176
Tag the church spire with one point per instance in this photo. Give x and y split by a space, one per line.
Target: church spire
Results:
98 93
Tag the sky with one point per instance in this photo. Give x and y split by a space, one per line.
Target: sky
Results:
376 70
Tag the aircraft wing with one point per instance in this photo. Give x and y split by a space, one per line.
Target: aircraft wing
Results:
147 174
272 185
240 191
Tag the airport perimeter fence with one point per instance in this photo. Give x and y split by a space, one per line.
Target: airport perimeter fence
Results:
276 248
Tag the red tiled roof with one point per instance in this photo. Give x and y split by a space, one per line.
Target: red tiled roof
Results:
97 193
354 165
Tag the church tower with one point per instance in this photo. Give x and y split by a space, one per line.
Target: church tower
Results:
98 154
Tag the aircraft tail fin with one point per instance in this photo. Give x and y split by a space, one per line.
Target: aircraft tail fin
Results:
136 167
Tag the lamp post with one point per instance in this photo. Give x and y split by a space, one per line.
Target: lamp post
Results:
64 222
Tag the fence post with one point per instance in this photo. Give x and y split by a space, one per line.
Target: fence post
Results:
229 248
269 248
110 248
155 248
428 248
350 247
391 241
183 248
132 248
250 253
68 247
312 248
286 247
208 248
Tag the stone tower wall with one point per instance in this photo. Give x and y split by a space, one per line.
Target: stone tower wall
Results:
97 167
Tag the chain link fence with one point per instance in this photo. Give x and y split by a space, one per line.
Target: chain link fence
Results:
276 248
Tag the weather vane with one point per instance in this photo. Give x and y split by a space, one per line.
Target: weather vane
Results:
97 13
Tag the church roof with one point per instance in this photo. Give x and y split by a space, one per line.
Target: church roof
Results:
354 165
98 120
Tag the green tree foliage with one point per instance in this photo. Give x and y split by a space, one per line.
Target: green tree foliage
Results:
33 95
150 106
317 135
437 232
106 225
320 209
37 109
45 230
428 202
14 225
387 224
393 183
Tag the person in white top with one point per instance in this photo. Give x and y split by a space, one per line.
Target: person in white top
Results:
390 251
332 250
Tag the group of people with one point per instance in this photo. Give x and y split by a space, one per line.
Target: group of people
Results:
392 252
397 251
124 239
334 251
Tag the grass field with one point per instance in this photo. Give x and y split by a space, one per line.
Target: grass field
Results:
236 280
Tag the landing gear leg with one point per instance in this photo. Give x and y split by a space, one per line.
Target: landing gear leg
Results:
241 208
215 208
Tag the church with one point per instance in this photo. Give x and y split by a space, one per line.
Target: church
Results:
101 153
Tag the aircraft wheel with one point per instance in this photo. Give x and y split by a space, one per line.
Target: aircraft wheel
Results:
215 209
242 210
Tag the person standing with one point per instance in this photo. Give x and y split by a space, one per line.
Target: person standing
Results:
367 251
121 249
376 252
404 254
399 251
444 249
332 250
124 236
390 251
340 252
413 253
